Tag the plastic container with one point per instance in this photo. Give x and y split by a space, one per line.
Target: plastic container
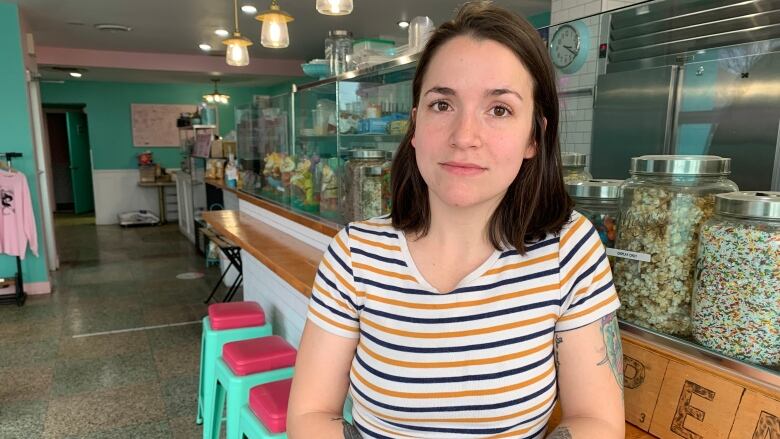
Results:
371 46
420 29
574 167
338 51
662 207
371 192
328 183
598 200
302 186
736 303
352 208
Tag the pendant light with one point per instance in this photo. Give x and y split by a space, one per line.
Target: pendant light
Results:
237 53
334 7
274 33
216 97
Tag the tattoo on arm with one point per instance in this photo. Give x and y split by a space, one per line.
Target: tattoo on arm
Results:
560 433
613 349
558 340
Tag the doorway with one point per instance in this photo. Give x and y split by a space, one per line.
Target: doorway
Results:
71 161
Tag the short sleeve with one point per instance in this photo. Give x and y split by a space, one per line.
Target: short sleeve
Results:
587 290
333 305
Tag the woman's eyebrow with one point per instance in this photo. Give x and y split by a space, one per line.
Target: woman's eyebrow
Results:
503 91
441 90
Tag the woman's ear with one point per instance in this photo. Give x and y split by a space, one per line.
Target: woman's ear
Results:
533 147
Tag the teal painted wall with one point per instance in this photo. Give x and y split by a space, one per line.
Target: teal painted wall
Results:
108 114
540 20
17 134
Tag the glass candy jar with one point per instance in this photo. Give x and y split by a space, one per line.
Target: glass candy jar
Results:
736 303
353 180
662 207
574 167
597 200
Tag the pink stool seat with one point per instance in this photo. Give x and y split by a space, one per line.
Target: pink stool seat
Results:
269 403
257 355
235 315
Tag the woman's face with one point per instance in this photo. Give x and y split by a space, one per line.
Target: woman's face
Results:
473 122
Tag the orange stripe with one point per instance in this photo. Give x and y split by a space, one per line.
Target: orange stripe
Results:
465 304
327 294
376 244
463 363
344 248
571 232
581 262
369 223
384 272
515 433
332 322
341 280
596 278
601 304
488 330
521 264
466 420
393 433
459 394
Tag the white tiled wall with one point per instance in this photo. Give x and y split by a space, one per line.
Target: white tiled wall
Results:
577 109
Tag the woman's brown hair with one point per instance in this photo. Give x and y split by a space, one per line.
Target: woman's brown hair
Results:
536 203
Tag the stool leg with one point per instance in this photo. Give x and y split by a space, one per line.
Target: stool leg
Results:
212 422
216 287
201 388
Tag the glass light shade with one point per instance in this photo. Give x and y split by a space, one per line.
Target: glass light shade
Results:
334 7
274 33
237 55
209 98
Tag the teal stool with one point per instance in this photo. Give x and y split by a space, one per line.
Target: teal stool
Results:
252 428
226 322
243 365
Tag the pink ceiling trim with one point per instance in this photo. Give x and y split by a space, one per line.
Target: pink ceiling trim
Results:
69 57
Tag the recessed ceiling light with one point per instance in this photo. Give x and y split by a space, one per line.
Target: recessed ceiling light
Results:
75 74
204 47
249 9
221 33
403 24
113 27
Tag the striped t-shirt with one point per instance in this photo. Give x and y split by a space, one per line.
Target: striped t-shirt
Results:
474 362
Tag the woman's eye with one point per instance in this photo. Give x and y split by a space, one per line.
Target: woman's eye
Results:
500 111
440 106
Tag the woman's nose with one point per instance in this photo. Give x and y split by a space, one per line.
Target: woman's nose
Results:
466 131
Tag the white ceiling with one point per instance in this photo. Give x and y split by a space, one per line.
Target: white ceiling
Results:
178 26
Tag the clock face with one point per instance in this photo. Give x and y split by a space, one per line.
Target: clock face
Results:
564 46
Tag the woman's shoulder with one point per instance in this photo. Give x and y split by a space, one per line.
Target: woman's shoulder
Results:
370 231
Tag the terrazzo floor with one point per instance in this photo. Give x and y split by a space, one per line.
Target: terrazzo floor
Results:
56 383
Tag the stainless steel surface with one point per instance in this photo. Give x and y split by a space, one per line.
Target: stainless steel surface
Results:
751 205
681 165
372 171
595 189
573 159
631 118
758 375
390 66
776 171
367 154
585 91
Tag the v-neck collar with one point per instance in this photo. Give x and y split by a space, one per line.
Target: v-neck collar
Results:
475 274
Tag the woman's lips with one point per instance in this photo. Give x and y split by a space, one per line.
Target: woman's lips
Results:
464 169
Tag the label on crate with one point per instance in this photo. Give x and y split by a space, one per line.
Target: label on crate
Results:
625 254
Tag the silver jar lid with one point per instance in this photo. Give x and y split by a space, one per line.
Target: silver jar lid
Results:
681 165
372 171
573 159
364 154
339 33
758 205
597 189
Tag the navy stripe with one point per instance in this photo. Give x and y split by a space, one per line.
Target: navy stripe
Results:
338 259
453 379
467 318
333 285
333 310
458 408
503 282
531 247
374 232
592 295
464 348
377 257
579 245
394 288
472 430
583 275
364 431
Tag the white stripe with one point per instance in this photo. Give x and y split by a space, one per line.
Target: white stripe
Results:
143 328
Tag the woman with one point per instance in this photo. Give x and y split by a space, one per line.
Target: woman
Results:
483 298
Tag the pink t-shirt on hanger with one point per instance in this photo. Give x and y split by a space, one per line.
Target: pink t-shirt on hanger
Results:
17 223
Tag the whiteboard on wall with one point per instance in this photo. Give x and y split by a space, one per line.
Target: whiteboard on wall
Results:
155 124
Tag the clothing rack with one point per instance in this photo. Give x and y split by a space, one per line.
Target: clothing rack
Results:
19 295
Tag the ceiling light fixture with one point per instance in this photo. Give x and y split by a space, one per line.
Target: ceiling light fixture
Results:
249 9
237 47
75 74
334 7
113 28
274 33
216 97
222 33
403 24
204 47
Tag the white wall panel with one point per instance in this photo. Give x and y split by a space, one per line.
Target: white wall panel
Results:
117 191
302 233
